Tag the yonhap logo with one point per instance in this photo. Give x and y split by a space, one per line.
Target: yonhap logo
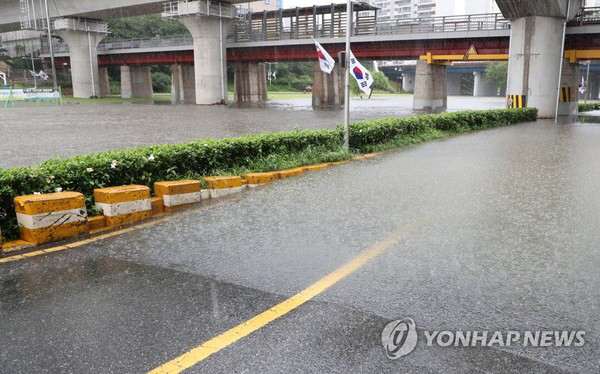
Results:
399 338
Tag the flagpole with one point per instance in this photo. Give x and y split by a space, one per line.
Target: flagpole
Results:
347 86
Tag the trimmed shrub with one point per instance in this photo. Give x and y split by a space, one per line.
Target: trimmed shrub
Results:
583 107
147 165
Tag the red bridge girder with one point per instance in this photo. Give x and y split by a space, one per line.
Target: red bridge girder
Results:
387 50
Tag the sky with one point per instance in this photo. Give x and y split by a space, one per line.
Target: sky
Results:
458 4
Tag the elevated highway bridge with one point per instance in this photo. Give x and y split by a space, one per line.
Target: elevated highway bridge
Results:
528 33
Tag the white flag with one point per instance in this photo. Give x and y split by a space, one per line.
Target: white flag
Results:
582 87
325 60
362 75
33 73
43 75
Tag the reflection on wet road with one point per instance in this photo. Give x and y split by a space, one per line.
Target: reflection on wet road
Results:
509 242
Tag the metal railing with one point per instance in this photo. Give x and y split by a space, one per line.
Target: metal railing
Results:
476 22
77 24
245 30
205 8
586 16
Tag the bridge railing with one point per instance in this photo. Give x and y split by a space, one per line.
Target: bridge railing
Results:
476 22
195 7
168 41
587 16
249 29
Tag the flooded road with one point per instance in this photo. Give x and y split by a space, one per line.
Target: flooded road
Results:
33 135
508 240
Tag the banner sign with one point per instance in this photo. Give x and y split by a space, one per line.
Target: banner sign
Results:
30 94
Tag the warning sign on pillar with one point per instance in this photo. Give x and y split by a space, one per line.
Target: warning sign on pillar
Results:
471 52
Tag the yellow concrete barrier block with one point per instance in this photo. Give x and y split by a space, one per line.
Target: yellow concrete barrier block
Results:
123 204
369 155
50 217
359 157
215 183
315 167
221 186
289 172
177 194
254 179
158 205
96 222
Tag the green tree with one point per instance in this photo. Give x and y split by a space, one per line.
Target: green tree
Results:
143 27
496 74
381 82
161 82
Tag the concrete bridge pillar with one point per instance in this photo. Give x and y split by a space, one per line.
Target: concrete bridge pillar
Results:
84 61
183 86
250 83
478 83
408 82
594 87
136 82
431 90
569 95
104 82
535 50
481 87
328 89
209 34
454 84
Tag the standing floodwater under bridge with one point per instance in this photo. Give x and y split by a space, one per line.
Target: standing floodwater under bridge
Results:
80 129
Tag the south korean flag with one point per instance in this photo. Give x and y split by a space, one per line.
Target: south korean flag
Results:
362 75
325 61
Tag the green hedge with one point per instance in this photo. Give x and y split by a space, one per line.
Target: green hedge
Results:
366 136
583 107
149 164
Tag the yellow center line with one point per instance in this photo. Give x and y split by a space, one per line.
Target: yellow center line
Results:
236 333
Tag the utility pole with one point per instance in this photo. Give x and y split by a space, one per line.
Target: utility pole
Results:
33 70
49 30
562 55
587 82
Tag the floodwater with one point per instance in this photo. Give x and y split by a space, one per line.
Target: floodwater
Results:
29 136
506 240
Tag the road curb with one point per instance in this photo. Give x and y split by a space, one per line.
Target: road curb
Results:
128 205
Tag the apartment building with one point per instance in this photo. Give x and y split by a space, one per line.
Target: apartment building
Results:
392 10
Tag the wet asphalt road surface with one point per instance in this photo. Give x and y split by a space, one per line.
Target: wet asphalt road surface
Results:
29 136
508 241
